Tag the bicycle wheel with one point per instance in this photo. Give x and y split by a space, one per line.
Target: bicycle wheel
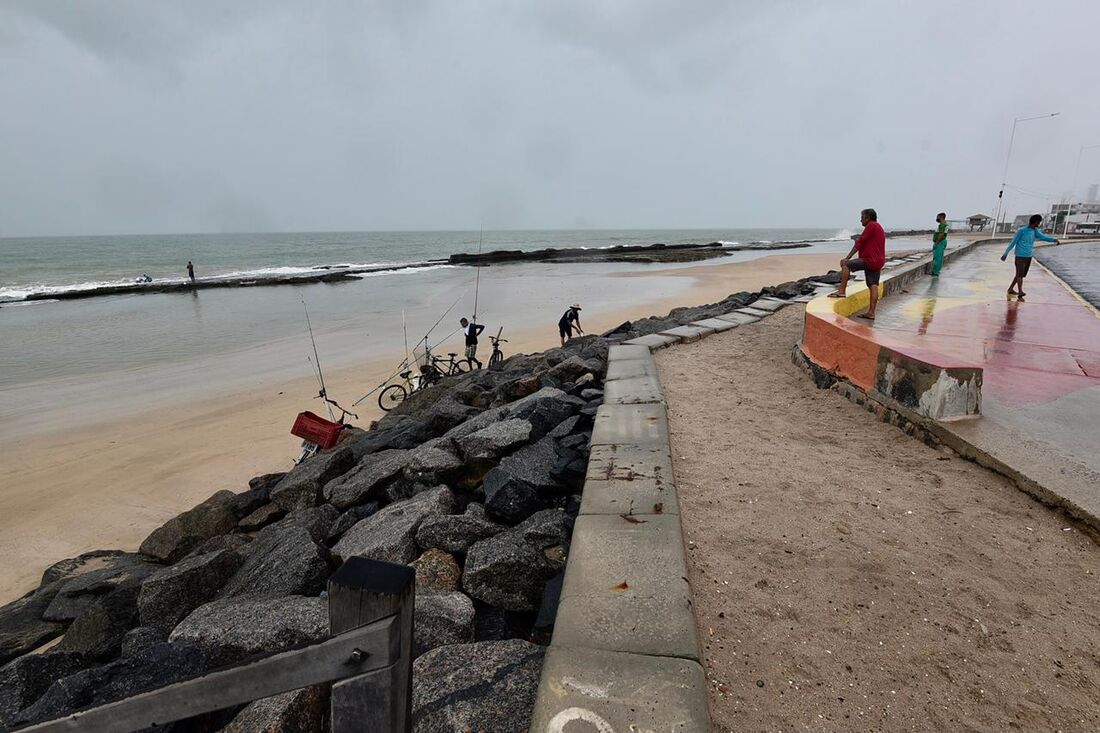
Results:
496 358
392 396
462 366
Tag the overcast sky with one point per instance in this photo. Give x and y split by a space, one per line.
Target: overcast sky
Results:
138 116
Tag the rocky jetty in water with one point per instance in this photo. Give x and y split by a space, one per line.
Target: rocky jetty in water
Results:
475 482
621 253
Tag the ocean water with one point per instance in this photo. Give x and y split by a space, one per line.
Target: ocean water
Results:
64 362
58 264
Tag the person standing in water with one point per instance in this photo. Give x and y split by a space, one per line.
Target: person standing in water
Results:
190 271
571 316
939 243
1024 242
471 331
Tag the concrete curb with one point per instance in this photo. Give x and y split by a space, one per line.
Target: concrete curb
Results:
625 655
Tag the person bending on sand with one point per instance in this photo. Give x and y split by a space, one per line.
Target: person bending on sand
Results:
871 247
472 331
571 316
1024 242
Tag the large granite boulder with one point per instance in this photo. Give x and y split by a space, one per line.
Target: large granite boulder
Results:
350 518
523 483
478 422
24 680
22 627
261 517
510 570
436 572
233 542
301 488
158 666
483 686
391 533
281 561
179 535
392 431
168 595
497 440
297 711
139 639
544 409
249 501
96 578
316 520
456 532
98 631
367 479
434 462
445 413
441 619
237 628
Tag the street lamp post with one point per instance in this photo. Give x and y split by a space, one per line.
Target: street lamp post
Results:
1004 176
1073 191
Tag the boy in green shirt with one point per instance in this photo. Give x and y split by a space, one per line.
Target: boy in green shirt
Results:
939 244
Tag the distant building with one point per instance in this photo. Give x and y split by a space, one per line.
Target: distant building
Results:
1082 217
981 221
1094 193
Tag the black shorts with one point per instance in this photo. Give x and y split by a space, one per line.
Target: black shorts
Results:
1023 264
858 264
565 329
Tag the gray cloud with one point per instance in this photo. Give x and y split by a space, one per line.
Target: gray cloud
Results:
132 116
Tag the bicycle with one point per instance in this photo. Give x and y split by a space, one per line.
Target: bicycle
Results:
497 355
394 394
450 367
432 370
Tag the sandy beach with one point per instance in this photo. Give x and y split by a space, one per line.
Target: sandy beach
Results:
109 483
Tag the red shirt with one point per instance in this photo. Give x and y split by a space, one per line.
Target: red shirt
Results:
871 246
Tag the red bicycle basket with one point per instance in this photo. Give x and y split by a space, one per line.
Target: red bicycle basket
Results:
316 429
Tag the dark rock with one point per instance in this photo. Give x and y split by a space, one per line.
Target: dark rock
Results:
551 596
545 410
138 640
478 422
571 369
456 532
297 711
348 519
441 619
483 686
111 572
495 441
647 326
392 431
831 278
591 394
434 462
589 411
576 441
565 427
522 483
390 534
249 501
445 413
181 534
89 561
437 571
788 290
520 387
233 542
282 561
24 680
367 479
266 481
234 629
570 470
316 520
170 594
510 570
301 488
158 666
22 628
97 632
496 624
402 488
262 517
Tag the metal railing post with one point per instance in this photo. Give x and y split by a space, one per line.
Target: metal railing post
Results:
361 592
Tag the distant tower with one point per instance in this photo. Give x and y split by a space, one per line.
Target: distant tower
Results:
1094 190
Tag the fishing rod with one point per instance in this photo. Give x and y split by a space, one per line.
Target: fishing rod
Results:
477 280
323 394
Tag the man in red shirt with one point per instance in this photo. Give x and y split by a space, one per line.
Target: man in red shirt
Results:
871 247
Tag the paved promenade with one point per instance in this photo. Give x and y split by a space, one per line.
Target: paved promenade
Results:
1041 362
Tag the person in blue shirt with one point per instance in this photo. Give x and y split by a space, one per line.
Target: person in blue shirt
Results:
1024 242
